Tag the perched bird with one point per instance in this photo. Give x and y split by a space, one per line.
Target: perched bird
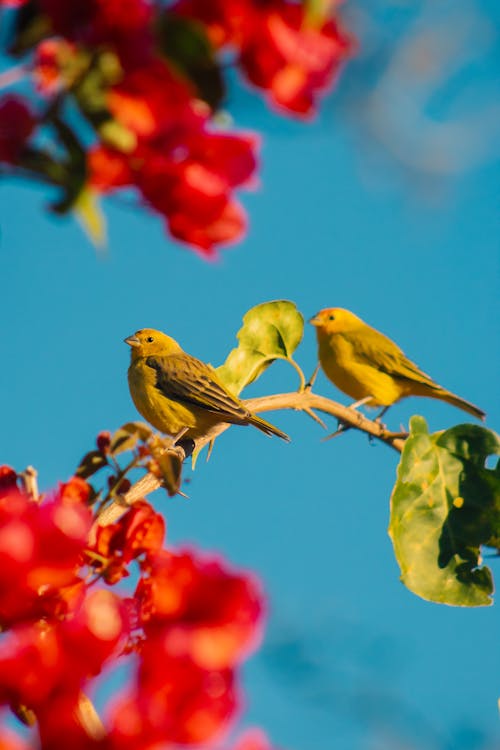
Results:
369 367
179 394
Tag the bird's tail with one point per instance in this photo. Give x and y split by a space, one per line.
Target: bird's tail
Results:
450 398
267 427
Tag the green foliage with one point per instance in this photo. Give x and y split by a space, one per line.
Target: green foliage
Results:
444 506
270 331
127 437
185 43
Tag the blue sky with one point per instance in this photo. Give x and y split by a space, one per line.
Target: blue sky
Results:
351 658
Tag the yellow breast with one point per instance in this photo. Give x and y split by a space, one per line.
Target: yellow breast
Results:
353 375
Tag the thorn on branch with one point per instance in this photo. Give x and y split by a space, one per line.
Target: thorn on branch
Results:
314 416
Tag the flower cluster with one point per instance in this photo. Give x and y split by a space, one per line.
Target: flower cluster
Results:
148 77
184 631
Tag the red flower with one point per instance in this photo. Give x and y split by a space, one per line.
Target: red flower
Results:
199 608
152 100
291 59
228 226
186 175
39 661
108 169
51 57
76 491
140 531
40 548
16 125
175 702
253 739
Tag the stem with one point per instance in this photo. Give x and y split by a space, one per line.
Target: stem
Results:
29 477
299 372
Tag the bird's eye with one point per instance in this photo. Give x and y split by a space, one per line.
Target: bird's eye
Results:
150 339
331 317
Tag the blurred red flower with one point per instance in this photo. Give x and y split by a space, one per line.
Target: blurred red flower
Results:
40 548
175 702
196 606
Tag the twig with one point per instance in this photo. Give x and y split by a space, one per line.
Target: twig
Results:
29 477
299 400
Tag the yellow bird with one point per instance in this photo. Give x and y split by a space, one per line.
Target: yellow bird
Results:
371 368
179 394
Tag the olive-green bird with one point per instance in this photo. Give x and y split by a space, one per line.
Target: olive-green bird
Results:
177 393
368 366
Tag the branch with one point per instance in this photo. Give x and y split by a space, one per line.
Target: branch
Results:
29 478
298 400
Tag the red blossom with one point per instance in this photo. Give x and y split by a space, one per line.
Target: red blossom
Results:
175 702
151 100
228 226
140 531
75 491
198 607
43 660
188 177
253 739
291 59
40 548
51 55
108 169
16 125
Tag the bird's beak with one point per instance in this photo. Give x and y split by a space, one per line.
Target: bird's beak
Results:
315 321
132 340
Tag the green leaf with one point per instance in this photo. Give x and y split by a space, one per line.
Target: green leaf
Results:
127 437
29 28
444 506
90 464
88 212
185 43
270 331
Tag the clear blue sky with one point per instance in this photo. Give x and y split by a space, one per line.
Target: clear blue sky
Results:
351 659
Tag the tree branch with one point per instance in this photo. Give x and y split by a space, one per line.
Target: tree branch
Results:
304 400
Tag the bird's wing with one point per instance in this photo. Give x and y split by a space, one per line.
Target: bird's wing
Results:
381 352
189 381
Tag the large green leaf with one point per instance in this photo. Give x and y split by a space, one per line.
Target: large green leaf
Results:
271 330
444 506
